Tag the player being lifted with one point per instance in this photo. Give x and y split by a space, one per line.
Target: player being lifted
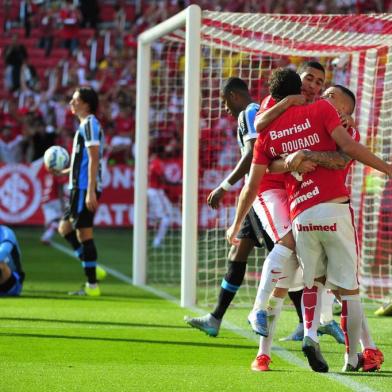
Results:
85 183
239 104
319 199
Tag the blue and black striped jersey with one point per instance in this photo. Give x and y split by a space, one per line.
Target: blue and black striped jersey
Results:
89 133
246 129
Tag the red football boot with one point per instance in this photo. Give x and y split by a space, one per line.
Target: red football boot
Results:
261 363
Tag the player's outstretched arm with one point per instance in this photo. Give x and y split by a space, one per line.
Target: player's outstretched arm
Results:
359 152
246 199
265 118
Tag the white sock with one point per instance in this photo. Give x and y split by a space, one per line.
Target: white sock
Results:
272 271
311 309
366 339
162 230
273 312
327 299
351 322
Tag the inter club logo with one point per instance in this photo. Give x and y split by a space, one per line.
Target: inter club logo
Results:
20 193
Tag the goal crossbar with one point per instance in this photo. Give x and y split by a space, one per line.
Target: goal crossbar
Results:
365 39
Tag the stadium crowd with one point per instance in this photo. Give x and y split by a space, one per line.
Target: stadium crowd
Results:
49 47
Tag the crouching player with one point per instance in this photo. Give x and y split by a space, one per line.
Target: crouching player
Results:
11 273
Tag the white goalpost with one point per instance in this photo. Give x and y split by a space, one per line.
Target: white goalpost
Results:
190 18
182 64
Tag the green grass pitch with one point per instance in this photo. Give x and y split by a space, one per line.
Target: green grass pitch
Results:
131 340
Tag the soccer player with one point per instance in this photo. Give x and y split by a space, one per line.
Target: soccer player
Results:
271 205
239 104
270 209
320 212
85 183
385 309
291 274
160 207
52 203
11 272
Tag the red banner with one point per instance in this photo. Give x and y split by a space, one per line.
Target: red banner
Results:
25 189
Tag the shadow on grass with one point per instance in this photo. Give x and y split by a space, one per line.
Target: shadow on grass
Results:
93 322
127 340
54 294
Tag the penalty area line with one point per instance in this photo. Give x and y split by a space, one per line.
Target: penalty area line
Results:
281 352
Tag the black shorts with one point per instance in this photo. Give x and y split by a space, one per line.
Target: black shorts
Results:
77 212
252 228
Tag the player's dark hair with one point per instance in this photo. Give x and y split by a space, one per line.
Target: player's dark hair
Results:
284 82
346 91
311 64
88 94
236 85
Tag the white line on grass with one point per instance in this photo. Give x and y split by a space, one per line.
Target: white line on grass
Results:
278 350
109 270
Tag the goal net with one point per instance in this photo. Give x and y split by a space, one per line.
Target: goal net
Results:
354 51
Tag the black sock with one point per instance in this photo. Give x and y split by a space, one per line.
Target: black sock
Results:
296 298
89 260
74 242
230 284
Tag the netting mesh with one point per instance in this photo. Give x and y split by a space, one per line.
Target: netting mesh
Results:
251 46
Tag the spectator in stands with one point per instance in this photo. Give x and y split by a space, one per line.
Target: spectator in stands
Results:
25 13
120 147
14 56
119 23
39 137
69 16
7 12
46 27
11 138
90 13
11 144
28 77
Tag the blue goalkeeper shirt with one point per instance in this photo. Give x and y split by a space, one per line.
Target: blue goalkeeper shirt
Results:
9 250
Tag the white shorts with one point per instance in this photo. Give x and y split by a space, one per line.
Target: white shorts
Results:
326 245
292 277
159 206
52 210
273 211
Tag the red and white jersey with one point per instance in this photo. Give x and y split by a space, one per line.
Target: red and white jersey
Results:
156 173
270 181
52 186
304 127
